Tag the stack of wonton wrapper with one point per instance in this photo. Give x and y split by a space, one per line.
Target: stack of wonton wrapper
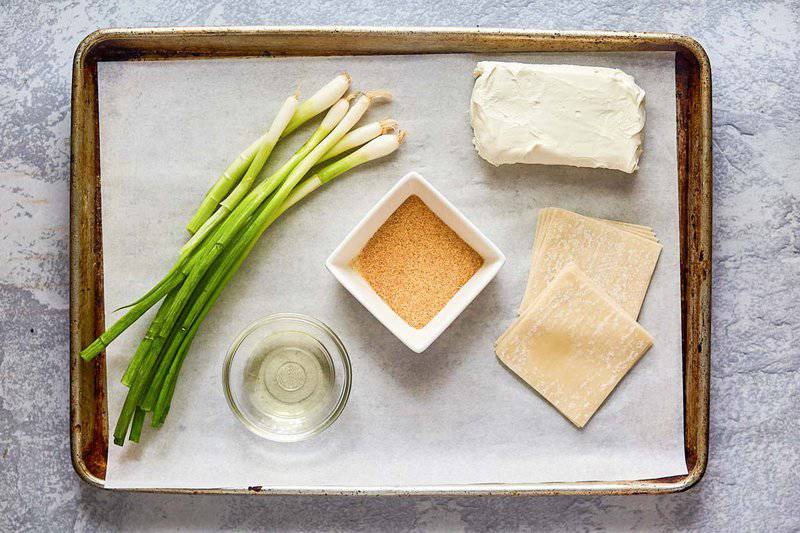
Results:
576 335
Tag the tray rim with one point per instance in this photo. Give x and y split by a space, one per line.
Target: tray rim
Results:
83 148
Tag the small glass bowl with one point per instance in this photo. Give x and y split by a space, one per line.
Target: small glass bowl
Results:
287 377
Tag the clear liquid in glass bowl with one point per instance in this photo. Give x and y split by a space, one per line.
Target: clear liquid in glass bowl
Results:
287 377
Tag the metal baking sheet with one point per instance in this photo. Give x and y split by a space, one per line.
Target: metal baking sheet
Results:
312 65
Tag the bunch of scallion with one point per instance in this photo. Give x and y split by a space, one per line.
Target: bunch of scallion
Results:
233 215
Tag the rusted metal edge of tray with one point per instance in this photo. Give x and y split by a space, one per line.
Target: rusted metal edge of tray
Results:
88 409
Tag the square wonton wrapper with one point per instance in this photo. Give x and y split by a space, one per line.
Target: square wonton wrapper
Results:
573 345
620 262
544 218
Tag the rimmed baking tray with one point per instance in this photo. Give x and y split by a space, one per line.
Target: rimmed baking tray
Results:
88 410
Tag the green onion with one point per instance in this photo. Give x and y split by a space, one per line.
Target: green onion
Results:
215 244
360 136
270 140
319 101
141 382
147 341
381 146
136 425
224 183
332 118
136 311
285 114
236 220
222 243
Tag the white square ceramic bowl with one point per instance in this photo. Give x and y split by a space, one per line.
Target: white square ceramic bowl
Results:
339 261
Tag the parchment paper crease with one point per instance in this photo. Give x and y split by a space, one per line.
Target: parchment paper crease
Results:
451 415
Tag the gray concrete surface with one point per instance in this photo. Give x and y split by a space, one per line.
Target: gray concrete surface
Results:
751 483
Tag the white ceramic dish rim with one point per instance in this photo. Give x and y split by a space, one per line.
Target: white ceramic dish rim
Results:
338 263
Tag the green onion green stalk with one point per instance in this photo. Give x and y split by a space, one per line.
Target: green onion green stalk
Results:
269 141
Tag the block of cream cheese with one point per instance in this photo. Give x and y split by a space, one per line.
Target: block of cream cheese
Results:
557 115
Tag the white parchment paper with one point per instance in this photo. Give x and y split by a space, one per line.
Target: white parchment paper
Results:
451 415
